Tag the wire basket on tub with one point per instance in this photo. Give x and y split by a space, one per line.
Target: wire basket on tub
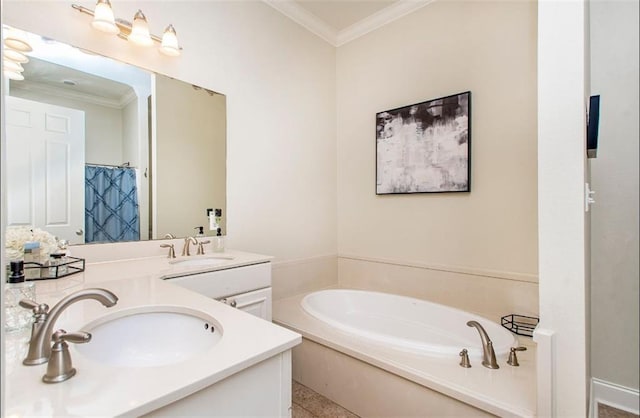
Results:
520 324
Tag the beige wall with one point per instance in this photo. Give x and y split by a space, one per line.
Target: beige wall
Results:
614 177
130 133
190 153
445 48
279 80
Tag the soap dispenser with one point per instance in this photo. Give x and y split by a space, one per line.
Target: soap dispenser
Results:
218 242
17 318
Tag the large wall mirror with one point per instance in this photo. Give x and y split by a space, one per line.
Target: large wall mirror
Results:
102 151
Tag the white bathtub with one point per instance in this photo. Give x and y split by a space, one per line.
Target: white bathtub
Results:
405 323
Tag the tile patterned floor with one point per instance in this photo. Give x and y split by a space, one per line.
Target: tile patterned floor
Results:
310 404
605 411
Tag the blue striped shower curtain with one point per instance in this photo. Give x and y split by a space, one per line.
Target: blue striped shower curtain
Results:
111 204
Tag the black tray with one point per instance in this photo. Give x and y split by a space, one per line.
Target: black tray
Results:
74 265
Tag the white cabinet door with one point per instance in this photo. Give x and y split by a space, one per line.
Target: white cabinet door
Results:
257 303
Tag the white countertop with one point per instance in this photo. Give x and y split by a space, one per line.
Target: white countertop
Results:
507 392
100 390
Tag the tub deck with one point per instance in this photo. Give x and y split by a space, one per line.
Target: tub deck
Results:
508 391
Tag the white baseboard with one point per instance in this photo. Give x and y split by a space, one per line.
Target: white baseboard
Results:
613 395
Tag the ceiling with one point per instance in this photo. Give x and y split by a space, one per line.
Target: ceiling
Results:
67 82
340 14
341 21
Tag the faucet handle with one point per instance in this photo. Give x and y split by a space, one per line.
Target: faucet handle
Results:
28 304
37 308
513 358
172 251
201 247
60 367
464 362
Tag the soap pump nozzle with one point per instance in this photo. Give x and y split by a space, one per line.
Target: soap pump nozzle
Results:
200 230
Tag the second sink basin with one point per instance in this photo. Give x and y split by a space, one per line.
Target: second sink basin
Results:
150 339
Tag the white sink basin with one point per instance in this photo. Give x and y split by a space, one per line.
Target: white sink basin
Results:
150 339
200 261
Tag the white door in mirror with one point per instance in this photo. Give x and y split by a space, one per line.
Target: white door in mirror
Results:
45 174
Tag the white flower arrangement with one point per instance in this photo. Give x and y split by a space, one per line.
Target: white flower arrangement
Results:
17 236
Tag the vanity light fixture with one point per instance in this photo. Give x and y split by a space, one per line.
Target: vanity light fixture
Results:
15 56
12 66
12 75
16 41
170 42
140 30
15 47
137 32
103 19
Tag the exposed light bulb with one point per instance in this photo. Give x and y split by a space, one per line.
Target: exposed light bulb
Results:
103 19
15 56
170 42
17 41
140 31
12 66
12 75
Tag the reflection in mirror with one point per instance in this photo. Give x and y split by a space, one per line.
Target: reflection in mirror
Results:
101 151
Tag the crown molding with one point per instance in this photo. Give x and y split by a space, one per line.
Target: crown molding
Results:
312 23
74 95
379 19
304 18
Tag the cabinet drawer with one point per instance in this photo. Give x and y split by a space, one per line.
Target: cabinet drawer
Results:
222 283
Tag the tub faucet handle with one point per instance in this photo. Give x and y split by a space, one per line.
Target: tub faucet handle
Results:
513 358
464 361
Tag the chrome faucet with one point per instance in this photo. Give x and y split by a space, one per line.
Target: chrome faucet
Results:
488 354
187 243
40 344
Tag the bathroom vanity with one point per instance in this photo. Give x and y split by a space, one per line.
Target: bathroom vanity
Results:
246 288
247 372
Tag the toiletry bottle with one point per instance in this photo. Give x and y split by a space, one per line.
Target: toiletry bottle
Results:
16 317
31 257
213 226
218 242
200 230
63 248
56 266
218 218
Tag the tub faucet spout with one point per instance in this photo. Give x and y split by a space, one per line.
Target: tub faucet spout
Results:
488 354
40 344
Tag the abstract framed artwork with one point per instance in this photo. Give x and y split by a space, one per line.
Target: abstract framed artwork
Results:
425 147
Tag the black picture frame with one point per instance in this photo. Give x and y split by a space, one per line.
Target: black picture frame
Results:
425 147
